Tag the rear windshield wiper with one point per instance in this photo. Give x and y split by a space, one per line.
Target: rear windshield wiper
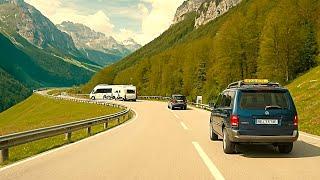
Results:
272 107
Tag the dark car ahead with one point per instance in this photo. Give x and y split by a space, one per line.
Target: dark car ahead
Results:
255 111
177 101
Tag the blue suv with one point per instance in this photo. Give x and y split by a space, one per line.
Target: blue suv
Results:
255 111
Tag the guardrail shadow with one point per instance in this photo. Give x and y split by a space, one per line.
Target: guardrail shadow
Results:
301 149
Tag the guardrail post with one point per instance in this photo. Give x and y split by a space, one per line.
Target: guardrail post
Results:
105 125
68 136
4 155
89 131
118 120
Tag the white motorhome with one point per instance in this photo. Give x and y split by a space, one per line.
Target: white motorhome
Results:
118 92
101 91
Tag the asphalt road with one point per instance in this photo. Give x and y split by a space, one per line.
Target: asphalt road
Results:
164 144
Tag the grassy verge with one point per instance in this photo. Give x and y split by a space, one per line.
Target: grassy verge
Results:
39 111
306 93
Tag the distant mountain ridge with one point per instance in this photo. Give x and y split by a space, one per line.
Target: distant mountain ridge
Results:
34 53
88 40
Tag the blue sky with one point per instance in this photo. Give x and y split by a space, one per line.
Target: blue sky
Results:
142 20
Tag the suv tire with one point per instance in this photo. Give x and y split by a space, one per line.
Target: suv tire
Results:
93 98
213 136
285 148
228 146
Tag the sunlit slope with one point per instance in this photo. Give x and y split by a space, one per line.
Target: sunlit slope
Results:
306 93
38 111
273 39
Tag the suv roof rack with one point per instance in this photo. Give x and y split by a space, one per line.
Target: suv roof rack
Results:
253 82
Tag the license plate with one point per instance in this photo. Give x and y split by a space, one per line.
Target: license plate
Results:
267 121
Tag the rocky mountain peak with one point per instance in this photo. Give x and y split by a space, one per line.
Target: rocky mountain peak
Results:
186 7
207 10
86 38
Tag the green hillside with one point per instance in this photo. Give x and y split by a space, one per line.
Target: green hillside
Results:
11 91
34 53
306 93
274 39
38 111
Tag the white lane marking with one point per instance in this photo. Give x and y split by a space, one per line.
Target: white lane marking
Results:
69 145
184 126
176 116
212 168
310 136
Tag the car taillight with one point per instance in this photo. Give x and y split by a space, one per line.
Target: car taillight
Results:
174 101
295 121
234 121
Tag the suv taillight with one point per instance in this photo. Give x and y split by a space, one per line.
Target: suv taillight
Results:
234 119
295 121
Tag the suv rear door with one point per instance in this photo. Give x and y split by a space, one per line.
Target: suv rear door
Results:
223 110
266 112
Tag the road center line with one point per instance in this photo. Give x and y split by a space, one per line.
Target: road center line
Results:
212 168
176 116
184 126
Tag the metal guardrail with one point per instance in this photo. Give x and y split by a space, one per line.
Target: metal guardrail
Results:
11 140
201 106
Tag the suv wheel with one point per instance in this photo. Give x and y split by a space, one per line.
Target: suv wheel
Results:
228 146
285 148
213 136
104 97
93 98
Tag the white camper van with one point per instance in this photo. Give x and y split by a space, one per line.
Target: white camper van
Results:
117 92
101 91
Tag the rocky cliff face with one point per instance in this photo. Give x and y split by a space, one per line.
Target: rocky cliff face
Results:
86 38
187 7
207 10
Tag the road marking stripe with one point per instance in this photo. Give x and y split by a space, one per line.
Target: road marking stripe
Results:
310 137
212 168
69 145
177 116
184 126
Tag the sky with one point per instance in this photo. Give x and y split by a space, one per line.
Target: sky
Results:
142 20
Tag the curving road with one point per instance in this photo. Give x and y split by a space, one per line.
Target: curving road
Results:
164 144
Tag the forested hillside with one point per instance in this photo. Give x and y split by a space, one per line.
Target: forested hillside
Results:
274 39
11 91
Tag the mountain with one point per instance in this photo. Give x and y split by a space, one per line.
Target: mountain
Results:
96 46
274 39
206 10
34 53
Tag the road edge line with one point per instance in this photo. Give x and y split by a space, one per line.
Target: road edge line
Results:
207 161
4 168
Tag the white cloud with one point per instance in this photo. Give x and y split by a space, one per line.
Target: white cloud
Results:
159 19
153 21
57 13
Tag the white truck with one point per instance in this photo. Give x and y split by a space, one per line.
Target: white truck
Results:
117 92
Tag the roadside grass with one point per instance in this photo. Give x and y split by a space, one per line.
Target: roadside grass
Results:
306 94
31 149
38 111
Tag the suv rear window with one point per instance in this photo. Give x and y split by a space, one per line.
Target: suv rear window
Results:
263 99
179 97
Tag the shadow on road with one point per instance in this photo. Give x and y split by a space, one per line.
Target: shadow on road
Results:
300 150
